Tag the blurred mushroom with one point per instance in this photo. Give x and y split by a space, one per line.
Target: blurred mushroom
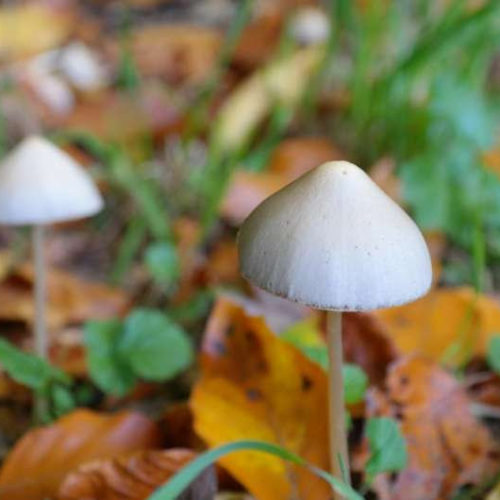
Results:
39 185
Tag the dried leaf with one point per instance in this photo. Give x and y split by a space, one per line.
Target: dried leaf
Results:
366 344
447 446
450 325
30 28
70 299
41 459
134 477
179 53
282 81
271 392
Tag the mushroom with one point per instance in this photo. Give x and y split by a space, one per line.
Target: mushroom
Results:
39 185
333 240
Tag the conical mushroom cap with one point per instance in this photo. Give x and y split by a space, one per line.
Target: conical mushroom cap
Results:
334 240
41 184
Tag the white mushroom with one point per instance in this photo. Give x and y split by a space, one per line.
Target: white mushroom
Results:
335 241
40 185
310 26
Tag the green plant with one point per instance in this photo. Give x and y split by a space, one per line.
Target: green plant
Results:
185 476
387 447
51 386
146 345
493 354
422 96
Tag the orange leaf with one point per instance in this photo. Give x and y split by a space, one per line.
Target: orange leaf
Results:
41 459
447 446
447 324
255 386
291 159
133 477
70 299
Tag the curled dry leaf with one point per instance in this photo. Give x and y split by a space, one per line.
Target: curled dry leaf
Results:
255 386
447 446
449 325
38 463
135 477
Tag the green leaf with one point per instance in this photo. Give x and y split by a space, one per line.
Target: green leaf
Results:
155 347
355 383
387 445
190 472
28 369
162 262
62 400
109 372
493 354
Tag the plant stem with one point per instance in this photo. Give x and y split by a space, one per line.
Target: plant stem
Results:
339 459
40 330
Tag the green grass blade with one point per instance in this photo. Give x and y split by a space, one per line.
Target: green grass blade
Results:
172 489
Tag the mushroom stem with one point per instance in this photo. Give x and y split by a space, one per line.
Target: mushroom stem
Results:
339 458
40 330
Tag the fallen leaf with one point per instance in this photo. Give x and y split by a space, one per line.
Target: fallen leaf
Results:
179 53
70 299
134 477
271 392
31 28
39 462
115 117
257 41
366 344
448 324
447 446
282 81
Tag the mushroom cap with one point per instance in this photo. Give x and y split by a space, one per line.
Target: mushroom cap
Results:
333 240
41 184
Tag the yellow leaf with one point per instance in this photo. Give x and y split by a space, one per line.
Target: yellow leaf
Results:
31 28
449 325
255 386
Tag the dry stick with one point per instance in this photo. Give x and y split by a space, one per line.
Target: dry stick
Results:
40 330
339 459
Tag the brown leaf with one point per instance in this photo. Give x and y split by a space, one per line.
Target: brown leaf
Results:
179 53
134 477
366 344
41 459
255 386
115 117
257 41
447 446
24 28
70 299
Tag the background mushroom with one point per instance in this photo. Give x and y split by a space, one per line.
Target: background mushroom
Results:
40 185
333 240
